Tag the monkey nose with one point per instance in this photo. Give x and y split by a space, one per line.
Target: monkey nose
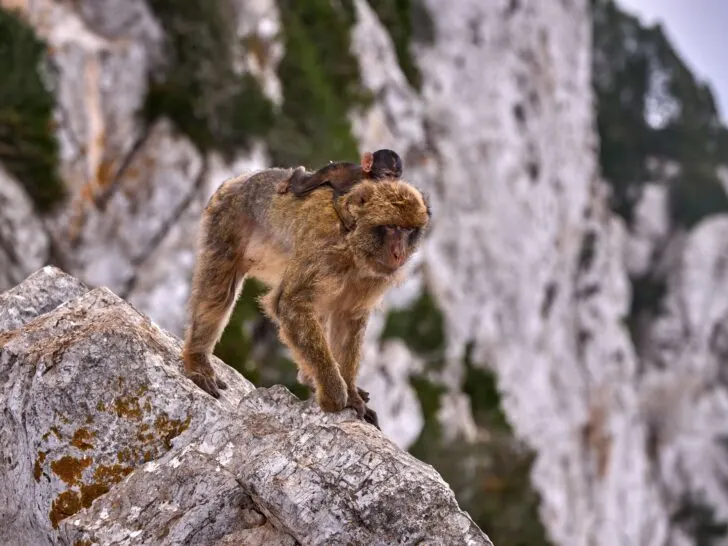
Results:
397 256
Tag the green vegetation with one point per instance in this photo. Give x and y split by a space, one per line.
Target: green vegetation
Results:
698 520
320 80
236 344
219 109
485 401
200 92
651 106
407 21
28 147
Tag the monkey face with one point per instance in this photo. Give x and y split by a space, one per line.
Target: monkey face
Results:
389 220
395 245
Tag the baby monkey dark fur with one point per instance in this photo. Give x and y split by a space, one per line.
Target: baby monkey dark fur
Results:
342 175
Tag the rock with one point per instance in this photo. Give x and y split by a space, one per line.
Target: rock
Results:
163 178
650 229
386 371
106 441
24 243
39 294
684 387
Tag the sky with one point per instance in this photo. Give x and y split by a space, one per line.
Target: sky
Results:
698 31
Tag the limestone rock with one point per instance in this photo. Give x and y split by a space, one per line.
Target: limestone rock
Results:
106 441
24 243
650 230
163 177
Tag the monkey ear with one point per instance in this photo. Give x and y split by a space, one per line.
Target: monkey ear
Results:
360 196
350 208
345 215
367 160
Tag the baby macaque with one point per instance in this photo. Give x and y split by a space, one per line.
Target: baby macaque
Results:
342 176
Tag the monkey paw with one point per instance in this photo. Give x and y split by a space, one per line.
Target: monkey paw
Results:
332 399
208 384
370 416
364 394
357 401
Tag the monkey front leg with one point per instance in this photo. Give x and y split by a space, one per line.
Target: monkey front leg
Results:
302 332
347 336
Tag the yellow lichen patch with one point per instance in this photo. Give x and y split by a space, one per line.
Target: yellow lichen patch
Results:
128 406
55 431
38 467
81 439
170 428
100 406
91 492
65 505
143 434
69 469
110 475
82 543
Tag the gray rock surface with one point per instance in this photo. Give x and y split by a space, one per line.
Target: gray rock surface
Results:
106 442
24 242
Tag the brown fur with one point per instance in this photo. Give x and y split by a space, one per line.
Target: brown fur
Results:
325 278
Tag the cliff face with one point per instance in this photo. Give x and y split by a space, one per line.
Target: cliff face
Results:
530 325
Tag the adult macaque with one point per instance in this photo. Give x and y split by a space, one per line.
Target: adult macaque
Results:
324 278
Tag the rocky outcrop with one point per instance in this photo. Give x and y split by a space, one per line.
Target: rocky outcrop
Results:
105 441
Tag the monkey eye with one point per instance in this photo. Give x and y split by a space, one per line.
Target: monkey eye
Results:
413 235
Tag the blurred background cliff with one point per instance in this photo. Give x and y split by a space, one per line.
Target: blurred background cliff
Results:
560 350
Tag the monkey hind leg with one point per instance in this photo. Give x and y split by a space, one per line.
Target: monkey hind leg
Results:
213 300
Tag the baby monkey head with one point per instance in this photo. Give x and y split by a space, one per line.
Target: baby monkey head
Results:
386 221
381 164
